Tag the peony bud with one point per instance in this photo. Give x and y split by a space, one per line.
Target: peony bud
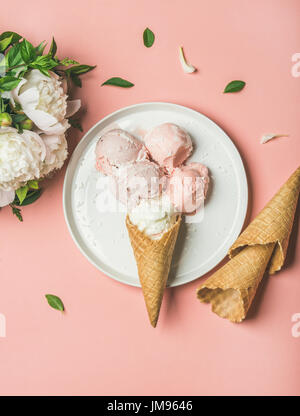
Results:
26 124
5 120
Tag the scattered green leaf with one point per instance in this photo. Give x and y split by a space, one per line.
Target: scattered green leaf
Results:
118 82
234 86
55 302
148 37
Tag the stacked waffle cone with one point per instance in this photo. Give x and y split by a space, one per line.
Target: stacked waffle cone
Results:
153 259
260 248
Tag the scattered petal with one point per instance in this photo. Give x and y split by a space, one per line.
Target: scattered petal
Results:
271 136
188 68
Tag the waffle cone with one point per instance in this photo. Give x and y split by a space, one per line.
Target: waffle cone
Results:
273 224
153 259
262 246
232 288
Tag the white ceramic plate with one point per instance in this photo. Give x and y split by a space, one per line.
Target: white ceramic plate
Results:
102 237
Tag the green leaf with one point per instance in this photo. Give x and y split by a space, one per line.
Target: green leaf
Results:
234 86
8 83
80 69
55 302
13 56
32 196
21 193
28 52
44 61
53 48
67 62
75 124
148 37
76 80
16 212
40 48
17 118
3 105
118 82
4 43
15 36
42 70
33 184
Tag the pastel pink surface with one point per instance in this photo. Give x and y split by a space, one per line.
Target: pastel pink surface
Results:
103 343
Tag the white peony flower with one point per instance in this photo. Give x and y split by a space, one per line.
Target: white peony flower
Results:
44 100
6 197
56 152
21 158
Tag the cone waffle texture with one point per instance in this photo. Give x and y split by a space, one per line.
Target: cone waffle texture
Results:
273 224
153 258
263 245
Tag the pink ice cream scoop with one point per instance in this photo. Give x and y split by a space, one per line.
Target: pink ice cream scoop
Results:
188 186
169 145
139 180
116 148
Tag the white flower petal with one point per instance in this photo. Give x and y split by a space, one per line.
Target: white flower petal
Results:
21 157
188 68
72 107
6 197
56 152
29 135
44 101
265 138
29 99
58 128
41 119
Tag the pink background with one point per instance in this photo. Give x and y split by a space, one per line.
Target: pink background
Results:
104 344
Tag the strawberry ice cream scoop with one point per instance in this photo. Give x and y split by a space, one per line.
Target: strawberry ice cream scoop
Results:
139 180
117 148
169 145
188 186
